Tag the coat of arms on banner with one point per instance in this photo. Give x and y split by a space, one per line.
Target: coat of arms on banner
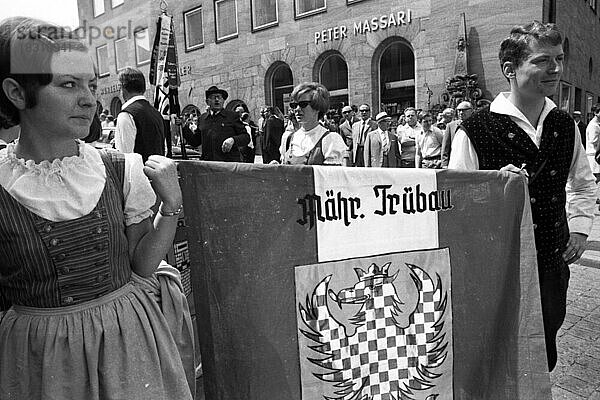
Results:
376 328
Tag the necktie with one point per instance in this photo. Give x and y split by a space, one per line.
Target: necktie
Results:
362 132
385 141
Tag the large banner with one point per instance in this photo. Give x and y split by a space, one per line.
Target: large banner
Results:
319 283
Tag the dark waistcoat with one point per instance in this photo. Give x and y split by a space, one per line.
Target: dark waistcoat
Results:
53 264
499 141
150 136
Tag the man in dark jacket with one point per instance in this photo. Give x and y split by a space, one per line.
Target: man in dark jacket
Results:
273 132
220 132
139 126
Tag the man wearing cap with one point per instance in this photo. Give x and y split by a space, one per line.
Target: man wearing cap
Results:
464 111
345 130
381 146
360 129
219 131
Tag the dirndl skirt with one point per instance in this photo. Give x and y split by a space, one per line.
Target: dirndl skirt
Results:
119 346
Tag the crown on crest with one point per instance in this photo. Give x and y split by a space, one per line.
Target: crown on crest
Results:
373 272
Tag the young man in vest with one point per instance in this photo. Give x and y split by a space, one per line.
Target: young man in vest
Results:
524 132
140 127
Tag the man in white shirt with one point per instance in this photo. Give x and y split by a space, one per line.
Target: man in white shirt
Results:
407 136
140 127
592 133
524 132
428 153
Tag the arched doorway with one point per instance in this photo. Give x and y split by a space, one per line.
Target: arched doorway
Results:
115 106
331 71
279 84
395 62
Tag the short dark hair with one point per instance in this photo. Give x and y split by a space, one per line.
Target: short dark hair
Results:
319 96
132 80
27 46
516 47
596 108
423 114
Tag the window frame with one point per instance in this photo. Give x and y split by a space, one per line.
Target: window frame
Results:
185 29
112 3
309 13
569 89
117 54
94 11
237 26
98 48
348 2
268 24
135 38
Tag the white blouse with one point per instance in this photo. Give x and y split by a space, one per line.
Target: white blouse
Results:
70 188
304 141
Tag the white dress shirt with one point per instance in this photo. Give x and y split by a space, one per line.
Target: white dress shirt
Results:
125 130
581 186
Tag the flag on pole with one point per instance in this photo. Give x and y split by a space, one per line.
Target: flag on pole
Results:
319 283
164 73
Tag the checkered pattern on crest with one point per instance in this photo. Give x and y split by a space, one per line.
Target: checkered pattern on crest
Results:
389 359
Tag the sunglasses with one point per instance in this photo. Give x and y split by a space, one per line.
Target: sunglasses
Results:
367 110
302 104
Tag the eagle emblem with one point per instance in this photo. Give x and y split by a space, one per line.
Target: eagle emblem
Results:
383 359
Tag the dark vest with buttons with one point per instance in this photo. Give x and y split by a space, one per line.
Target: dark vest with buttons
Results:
53 264
499 141
150 136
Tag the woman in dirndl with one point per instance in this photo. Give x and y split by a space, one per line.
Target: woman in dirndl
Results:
86 314
312 144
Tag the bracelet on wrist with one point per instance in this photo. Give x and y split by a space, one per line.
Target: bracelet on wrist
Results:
170 213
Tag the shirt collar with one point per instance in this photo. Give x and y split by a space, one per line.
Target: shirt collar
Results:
501 105
131 100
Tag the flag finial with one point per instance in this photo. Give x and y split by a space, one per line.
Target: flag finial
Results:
163 6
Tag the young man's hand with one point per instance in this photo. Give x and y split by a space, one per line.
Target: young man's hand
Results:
575 247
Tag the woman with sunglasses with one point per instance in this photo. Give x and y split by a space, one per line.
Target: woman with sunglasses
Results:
81 300
312 144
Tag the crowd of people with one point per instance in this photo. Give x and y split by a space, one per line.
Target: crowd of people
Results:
83 232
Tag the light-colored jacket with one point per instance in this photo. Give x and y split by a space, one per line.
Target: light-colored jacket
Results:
356 133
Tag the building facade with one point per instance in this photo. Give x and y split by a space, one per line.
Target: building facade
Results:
389 54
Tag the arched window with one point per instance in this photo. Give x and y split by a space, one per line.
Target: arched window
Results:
115 107
566 50
396 77
279 84
333 74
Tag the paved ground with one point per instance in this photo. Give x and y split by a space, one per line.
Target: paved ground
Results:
577 375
